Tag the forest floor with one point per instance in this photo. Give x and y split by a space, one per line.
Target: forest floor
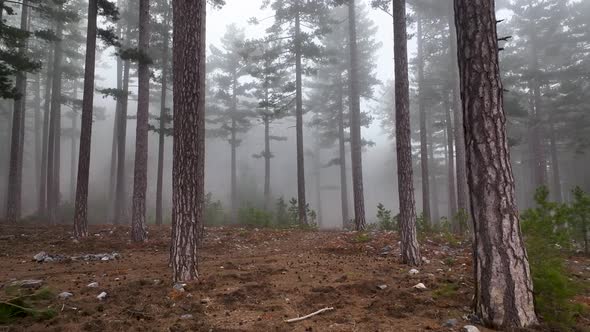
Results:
252 280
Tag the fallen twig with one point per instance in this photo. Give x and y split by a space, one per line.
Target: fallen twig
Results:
293 320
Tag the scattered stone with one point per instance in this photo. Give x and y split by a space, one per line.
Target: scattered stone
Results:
157 282
186 317
102 296
28 283
382 287
98 257
65 295
386 250
420 286
451 323
179 287
93 285
205 300
414 272
43 257
470 328
426 261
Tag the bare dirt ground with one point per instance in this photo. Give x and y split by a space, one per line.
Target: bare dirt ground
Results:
252 280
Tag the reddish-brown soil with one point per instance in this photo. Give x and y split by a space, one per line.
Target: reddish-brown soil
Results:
252 280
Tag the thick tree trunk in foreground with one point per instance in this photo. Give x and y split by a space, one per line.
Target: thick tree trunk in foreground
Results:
14 194
138 222
81 210
342 157
423 134
356 147
504 290
188 170
302 204
407 217
460 163
53 145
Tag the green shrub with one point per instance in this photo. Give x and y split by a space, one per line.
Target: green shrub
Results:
214 214
385 220
250 216
282 217
21 305
547 237
580 217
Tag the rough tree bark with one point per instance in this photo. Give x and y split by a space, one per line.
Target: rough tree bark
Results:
460 163
302 205
81 208
138 222
423 134
342 155
188 170
503 290
407 218
356 147
14 194
163 118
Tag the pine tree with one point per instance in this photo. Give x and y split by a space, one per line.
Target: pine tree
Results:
504 290
231 113
188 178
138 218
300 25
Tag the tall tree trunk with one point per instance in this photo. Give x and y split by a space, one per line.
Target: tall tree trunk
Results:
121 193
114 149
318 181
73 140
356 147
407 218
557 194
423 135
539 171
503 290
233 173
14 194
302 205
42 205
188 170
81 209
267 157
38 130
342 156
53 155
450 163
138 222
163 119
460 162
432 172
233 146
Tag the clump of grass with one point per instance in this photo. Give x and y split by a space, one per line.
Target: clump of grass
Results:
362 237
20 305
446 290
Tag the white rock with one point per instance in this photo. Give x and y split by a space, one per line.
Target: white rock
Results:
102 296
65 295
40 257
470 328
186 316
382 287
420 286
179 287
29 283
93 285
414 272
